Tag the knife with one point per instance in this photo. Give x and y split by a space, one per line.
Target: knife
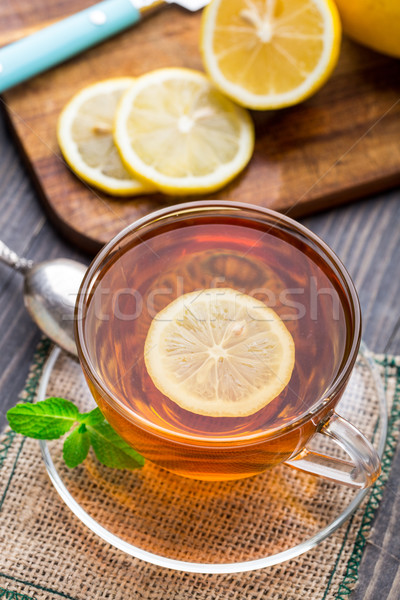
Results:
50 46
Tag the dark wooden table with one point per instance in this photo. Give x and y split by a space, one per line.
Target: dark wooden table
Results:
366 235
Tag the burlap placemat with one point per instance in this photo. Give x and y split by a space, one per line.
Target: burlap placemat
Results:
47 553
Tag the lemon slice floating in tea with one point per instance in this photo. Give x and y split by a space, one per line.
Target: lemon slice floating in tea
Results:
219 353
270 53
175 129
85 136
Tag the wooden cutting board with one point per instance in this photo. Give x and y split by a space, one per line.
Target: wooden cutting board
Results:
341 144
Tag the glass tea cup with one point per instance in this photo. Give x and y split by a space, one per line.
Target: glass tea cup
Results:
202 245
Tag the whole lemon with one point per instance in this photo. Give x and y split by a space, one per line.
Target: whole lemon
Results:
374 23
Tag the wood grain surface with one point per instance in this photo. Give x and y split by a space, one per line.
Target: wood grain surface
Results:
339 145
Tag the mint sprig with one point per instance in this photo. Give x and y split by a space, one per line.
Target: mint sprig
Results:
52 418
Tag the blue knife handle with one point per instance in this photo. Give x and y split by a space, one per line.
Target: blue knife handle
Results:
40 51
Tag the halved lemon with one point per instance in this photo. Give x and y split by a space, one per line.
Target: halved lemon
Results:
220 353
175 129
85 136
270 53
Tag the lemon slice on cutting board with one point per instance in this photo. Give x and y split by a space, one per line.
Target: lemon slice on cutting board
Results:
220 353
85 136
175 129
270 53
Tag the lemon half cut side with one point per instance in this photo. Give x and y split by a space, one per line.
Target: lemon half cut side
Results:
269 54
219 352
85 136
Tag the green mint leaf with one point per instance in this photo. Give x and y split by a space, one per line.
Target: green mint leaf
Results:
76 447
111 450
91 418
52 418
45 420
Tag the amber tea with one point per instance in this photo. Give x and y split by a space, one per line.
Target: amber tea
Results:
268 261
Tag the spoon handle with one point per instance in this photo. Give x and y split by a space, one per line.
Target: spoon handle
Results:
11 259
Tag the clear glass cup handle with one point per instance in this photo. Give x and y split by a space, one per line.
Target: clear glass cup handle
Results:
360 472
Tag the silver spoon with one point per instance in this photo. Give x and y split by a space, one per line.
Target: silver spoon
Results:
50 291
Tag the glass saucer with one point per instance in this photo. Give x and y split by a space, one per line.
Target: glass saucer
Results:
209 527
